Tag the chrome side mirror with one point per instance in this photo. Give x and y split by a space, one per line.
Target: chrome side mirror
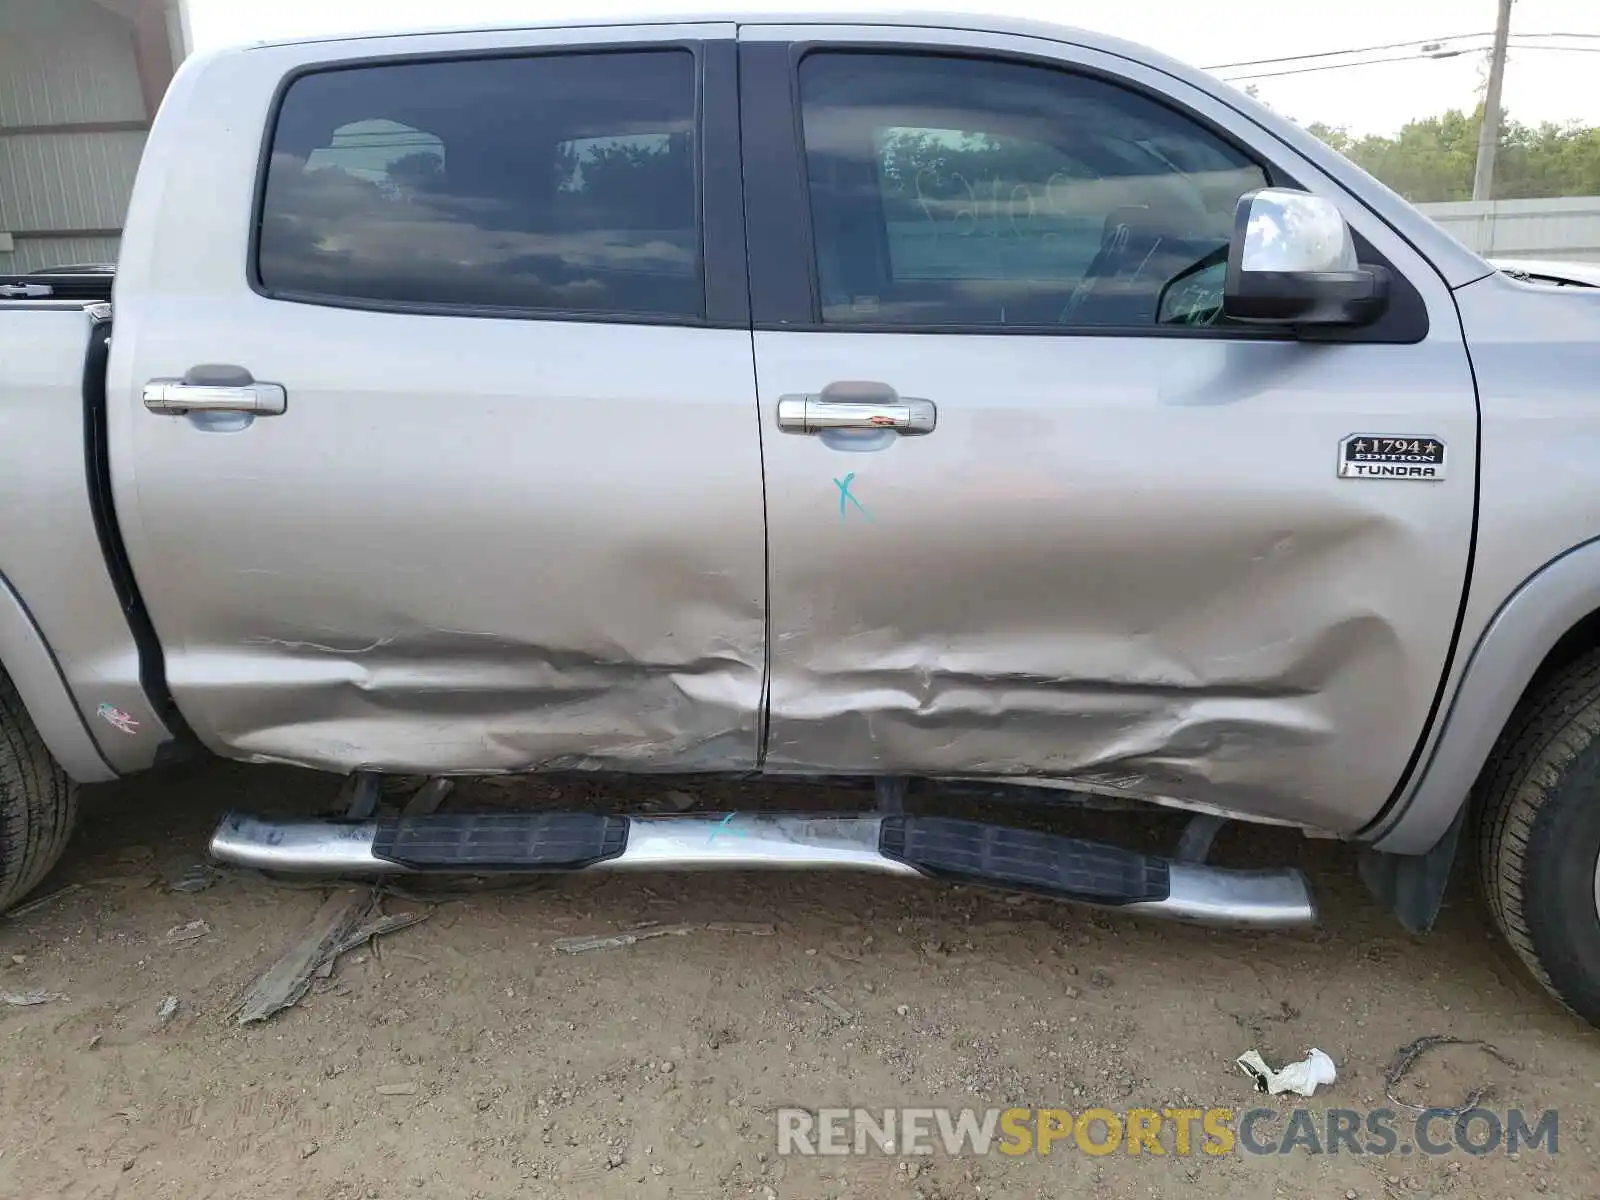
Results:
1292 261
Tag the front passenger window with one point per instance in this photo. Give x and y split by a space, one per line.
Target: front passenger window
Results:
964 192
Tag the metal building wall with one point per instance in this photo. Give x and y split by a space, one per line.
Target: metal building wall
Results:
73 118
1565 228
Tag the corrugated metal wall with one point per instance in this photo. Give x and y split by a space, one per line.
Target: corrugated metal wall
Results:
72 122
1566 228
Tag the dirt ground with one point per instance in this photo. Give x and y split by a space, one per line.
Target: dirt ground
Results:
468 1056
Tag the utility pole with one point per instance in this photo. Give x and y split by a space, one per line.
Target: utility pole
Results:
1489 134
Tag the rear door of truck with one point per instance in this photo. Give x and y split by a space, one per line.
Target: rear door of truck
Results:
433 414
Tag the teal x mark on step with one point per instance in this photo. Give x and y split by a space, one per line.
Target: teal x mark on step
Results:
722 827
847 498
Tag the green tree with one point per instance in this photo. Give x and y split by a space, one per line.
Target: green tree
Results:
1433 158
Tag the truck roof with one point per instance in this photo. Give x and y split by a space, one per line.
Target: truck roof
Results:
970 21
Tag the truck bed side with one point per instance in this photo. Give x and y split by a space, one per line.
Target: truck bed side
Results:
67 632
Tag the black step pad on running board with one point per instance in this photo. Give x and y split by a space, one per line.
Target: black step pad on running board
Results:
1019 859
500 841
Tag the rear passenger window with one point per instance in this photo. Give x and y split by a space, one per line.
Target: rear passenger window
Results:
963 192
558 183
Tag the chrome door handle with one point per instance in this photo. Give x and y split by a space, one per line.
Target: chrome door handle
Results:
856 406
175 397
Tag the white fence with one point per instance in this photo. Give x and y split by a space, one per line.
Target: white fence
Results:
1567 228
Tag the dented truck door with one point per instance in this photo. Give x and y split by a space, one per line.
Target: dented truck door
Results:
434 434
1034 506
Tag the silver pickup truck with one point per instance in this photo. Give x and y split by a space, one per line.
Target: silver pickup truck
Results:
892 397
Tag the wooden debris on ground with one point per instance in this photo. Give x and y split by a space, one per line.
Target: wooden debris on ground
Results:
832 1005
610 941
377 927
28 999
23 910
188 934
347 919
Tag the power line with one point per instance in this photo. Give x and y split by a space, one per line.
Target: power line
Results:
1364 62
1415 42
1267 62
1401 58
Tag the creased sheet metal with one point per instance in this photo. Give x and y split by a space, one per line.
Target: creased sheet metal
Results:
451 702
1127 562
467 546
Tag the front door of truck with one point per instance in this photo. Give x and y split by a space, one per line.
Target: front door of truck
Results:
458 468
1034 506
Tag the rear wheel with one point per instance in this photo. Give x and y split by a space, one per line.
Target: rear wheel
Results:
38 803
1539 835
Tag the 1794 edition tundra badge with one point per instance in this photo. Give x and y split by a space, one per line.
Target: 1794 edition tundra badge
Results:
1373 456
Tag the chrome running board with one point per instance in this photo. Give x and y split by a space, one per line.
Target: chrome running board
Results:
970 852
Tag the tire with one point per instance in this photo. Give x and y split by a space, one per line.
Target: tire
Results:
1538 808
38 803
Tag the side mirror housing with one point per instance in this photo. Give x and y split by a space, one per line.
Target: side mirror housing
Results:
1292 261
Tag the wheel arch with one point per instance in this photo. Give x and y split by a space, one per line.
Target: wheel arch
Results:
1550 619
32 667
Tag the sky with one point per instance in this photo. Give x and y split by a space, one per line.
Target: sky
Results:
1542 84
